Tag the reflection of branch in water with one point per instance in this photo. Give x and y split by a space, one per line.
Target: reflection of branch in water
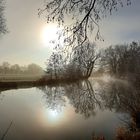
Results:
80 94
120 97
93 93
6 132
113 95
54 97
124 98
82 97
126 120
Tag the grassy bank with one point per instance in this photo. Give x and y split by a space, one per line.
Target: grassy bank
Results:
21 81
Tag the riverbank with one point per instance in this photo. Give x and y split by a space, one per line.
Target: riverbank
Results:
18 81
27 82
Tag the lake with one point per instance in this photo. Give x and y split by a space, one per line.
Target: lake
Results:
76 111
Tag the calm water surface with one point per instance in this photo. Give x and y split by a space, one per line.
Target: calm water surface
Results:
65 112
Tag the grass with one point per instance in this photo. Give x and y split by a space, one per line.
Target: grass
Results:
18 77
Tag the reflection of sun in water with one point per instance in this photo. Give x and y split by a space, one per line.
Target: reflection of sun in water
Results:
53 116
56 115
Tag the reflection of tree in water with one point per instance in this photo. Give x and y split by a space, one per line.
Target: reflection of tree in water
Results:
54 97
1 95
80 94
82 97
123 98
117 96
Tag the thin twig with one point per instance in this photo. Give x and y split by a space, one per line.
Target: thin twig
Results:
6 132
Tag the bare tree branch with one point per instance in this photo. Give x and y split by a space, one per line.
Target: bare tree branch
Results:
84 13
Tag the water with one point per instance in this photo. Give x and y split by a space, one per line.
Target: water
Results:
66 112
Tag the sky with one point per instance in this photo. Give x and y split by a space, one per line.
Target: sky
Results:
23 44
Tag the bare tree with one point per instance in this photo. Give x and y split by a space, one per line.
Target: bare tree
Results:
3 28
5 67
85 56
85 15
15 69
110 59
34 69
55 65
122 60
76 66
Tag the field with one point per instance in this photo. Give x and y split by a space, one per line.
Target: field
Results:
19 77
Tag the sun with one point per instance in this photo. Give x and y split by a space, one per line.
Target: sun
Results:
49 34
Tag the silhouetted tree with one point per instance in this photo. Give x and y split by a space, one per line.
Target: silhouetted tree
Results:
133 58
34 69
5 67
55 66
85 15
111 57
78 65
85 57
3 28
122 60
15 69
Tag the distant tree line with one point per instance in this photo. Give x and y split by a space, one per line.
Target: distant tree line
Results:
32 69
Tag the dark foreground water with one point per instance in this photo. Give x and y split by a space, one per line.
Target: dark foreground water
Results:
75 111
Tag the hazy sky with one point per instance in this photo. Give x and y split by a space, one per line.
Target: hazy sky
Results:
23 43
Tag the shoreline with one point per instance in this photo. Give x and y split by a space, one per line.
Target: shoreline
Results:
27 83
